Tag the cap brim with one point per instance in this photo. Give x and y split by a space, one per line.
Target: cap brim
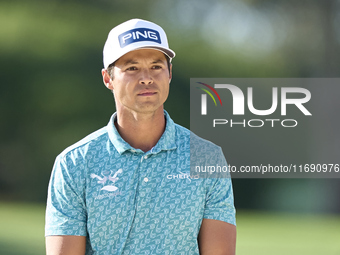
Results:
170 53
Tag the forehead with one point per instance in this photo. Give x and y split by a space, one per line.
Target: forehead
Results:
141 55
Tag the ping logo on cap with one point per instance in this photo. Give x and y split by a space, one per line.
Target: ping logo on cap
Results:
138 35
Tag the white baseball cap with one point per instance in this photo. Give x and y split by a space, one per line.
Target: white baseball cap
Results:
132 35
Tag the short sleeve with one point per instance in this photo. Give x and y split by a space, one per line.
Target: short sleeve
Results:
220 202
220 197
65 211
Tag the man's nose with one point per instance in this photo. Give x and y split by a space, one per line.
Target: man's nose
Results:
145 78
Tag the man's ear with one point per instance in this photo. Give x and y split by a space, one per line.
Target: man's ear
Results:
170 73
107 79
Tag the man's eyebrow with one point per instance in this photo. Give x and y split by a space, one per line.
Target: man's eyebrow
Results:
130 62
134 62
158 61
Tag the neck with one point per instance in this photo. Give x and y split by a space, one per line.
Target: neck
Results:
141 131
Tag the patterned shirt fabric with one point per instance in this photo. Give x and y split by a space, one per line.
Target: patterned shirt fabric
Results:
126 201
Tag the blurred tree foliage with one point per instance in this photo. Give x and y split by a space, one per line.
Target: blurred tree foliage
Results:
51 56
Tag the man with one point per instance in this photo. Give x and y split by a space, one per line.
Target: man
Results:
126 188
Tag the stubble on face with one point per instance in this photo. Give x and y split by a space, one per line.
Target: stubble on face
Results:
141 81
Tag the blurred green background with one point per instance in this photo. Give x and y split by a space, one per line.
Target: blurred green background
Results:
52 96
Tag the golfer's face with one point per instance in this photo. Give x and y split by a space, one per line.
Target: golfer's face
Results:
141 81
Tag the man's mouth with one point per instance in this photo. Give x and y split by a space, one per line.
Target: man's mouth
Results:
147 93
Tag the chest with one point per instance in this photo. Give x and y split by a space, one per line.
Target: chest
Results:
144 193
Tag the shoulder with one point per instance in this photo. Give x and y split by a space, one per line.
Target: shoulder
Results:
206 158
83 146
196 142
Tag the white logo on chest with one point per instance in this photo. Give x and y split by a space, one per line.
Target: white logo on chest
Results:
181 176
107 177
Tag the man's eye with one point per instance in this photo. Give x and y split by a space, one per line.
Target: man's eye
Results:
156 67
132 68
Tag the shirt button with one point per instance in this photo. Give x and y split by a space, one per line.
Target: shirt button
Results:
146 179
145 157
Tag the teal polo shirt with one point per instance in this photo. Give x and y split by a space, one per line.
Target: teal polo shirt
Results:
126 201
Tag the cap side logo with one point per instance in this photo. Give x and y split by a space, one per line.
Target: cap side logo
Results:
138 35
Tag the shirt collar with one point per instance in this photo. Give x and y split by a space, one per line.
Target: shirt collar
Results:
166 142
